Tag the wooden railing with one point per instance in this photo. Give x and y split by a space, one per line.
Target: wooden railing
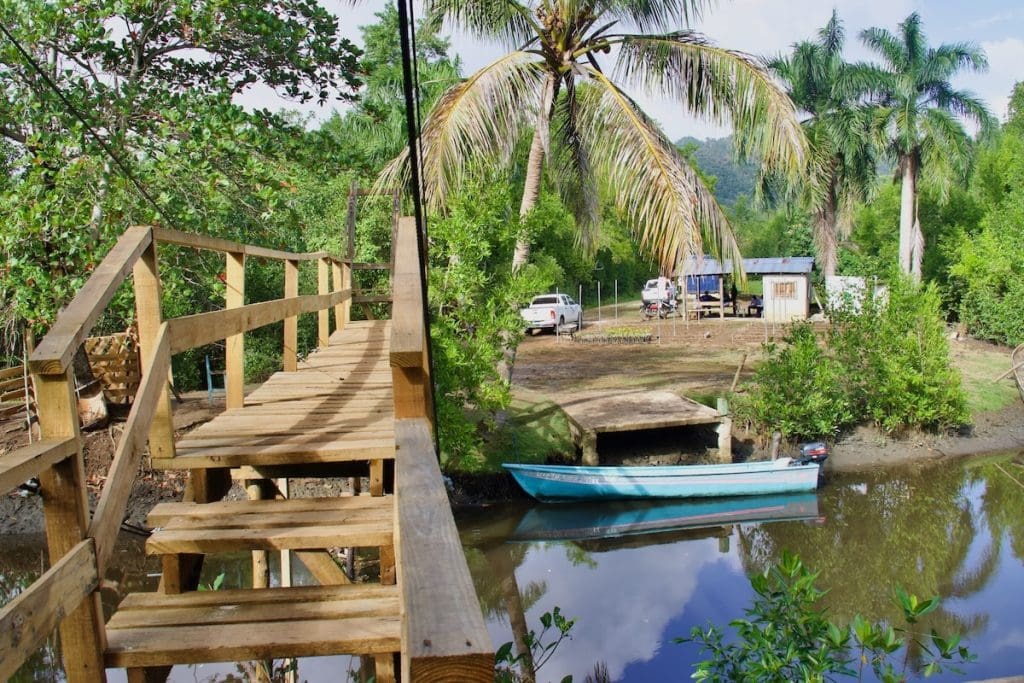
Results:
443 628
444 636
80 545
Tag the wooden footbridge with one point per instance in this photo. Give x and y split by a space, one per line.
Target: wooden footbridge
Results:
359 405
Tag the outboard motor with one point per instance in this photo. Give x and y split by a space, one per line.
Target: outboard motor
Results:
814 452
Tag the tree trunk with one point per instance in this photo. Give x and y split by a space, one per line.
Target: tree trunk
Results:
826 234
917 249
534 166
908 203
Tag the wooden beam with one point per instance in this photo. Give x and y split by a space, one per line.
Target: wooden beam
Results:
31 461
188 239
323 281
66 512
291 323
234 355
27 620
408 335
200 329
54 353
125 466
338 283
444 636
148 295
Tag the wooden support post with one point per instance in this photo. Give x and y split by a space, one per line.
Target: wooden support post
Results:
724 431
384 668
66 510
180 573
234 356
260 489
339 271
323 328
377 477
291 324
146 275
721 297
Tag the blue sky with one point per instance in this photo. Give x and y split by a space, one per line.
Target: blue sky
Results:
769 27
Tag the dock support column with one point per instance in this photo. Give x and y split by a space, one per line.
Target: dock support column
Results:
724 430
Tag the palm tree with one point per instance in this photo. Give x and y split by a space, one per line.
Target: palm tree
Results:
918 117
596 140
842 166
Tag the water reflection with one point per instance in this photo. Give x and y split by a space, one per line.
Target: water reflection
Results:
951 530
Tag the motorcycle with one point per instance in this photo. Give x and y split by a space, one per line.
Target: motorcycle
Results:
661 309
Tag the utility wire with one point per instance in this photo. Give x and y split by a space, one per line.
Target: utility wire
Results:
410 87
78 115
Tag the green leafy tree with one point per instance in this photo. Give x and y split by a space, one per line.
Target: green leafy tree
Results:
596 140
155 82
842 168
918 118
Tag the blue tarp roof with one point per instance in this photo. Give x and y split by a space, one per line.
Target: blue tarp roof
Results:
776 265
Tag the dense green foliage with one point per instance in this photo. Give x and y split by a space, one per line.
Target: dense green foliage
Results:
885 361
987 275
716 157
788 637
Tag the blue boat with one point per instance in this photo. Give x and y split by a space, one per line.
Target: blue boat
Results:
561 482
586 521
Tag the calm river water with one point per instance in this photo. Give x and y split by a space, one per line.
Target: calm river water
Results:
955 530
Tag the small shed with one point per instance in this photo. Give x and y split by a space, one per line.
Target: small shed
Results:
787 282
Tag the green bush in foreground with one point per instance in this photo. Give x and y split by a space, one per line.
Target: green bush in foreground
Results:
885 361
785 637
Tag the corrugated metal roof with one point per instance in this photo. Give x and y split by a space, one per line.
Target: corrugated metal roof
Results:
776 265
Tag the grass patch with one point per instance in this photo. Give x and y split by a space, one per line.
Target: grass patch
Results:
978 368
536 430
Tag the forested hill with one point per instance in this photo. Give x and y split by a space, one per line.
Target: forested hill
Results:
716 157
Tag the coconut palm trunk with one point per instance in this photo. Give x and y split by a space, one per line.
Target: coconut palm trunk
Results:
534 169
908 202
826 231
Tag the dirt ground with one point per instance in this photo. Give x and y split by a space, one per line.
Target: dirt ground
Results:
700 360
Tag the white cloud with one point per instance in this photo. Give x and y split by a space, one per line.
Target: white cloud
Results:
1004 58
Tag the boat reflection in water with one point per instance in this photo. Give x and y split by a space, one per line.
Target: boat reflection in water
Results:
611 519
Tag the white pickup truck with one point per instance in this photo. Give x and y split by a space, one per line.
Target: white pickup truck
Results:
551 312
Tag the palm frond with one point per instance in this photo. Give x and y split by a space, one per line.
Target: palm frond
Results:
667 206
481 118
945 149
654 15
723 86
510 22
887 45
571 169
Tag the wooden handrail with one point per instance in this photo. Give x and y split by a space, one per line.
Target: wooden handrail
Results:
191 331
31 461
408 336
54 353
27 621
196 241
120 478
444 636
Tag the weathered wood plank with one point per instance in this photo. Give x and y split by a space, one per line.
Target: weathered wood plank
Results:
30 461
163 513
323 316
244 642
408 334
172 541
196 241
291 323
27 620
125 466
191 331
339 451
148 296
54 353
443 629
234 345
66 513
15 371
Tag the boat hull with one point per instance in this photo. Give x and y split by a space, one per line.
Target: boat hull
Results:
556 482
612 519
